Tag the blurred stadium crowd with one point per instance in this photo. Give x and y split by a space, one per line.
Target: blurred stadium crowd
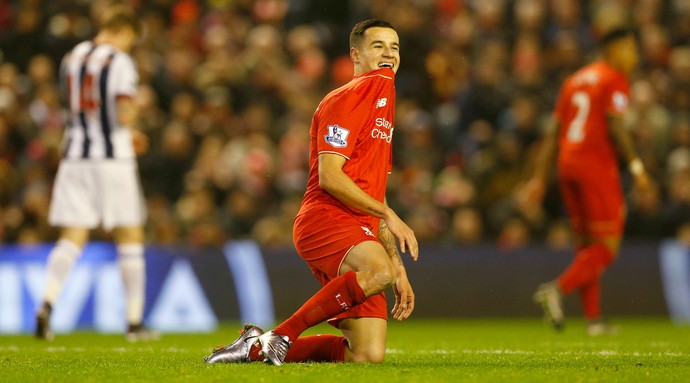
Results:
228 88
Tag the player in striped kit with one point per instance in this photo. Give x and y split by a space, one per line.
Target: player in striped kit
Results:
97 181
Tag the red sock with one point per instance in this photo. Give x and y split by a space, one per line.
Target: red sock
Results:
587 266
317 348
337 296
590 297
254 352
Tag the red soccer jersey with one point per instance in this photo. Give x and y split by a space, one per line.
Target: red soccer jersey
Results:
354 121
586 99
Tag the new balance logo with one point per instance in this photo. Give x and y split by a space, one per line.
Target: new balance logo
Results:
367 231
381 102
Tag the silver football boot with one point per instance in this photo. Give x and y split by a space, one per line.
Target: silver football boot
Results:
549 297
274 348
237 351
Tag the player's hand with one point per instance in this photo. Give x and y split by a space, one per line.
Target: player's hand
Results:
646 189
140 142
403 233
404 297
643 183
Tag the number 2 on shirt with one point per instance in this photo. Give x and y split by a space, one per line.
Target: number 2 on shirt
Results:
576 129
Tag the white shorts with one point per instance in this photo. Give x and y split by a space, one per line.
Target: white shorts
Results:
92 193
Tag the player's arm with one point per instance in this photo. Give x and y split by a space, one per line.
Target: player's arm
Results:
388 241
624 143
333 180
125 89
546 156
402 289
127 115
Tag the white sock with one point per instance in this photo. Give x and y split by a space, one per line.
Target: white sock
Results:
133 268
60 262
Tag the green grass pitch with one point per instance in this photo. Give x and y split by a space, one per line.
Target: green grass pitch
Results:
510 350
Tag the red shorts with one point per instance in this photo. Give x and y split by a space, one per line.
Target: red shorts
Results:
323 240
593 198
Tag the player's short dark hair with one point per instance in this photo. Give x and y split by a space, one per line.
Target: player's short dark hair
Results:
614 35
357 34
119 16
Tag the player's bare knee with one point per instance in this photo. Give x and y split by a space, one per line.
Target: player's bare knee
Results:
366 359
382 277
369 355
76 235
128 235
375 356
391 275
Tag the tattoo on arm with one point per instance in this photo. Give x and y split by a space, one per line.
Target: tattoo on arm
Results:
396 258
388 242
375 212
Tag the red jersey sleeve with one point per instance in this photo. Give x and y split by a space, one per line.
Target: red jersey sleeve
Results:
340 123
617 96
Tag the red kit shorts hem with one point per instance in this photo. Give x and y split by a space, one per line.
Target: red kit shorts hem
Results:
593 198
324 242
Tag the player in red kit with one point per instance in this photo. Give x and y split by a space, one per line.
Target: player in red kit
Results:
587 133
344 230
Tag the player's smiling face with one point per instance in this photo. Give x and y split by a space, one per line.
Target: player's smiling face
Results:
380 48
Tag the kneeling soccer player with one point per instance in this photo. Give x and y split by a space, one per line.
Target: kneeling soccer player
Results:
344 229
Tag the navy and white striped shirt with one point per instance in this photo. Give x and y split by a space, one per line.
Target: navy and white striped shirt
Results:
93 77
